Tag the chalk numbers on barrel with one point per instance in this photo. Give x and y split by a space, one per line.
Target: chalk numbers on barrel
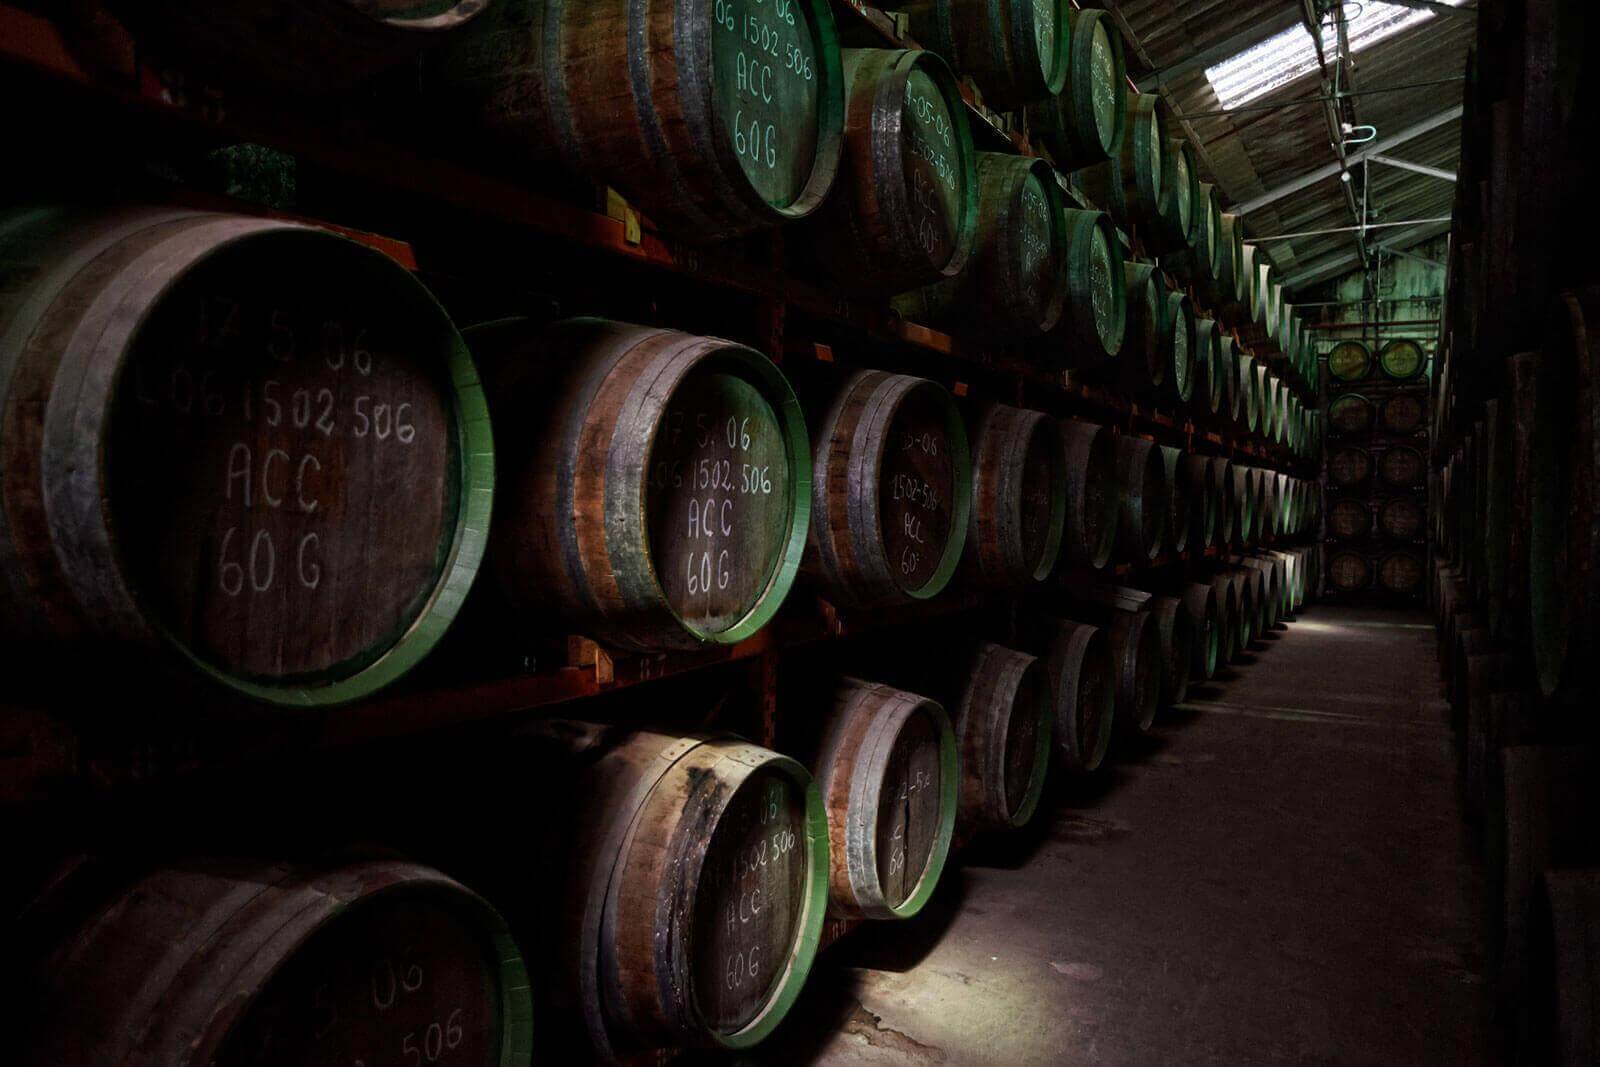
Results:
772 850
931 143
767 45
914 498
717 489
268 427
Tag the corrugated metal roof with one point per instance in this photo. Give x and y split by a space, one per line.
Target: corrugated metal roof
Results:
1251 152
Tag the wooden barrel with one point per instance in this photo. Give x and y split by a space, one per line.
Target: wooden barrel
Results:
1564 943
1212 249
1350 414
1223 490
229 961
1141 366
1266 412
1247 500
1181 505
1094 317
1246 589
1402 467
1082 124
696 895
889 773
1263 582
1252 256
892 491
652 518
905 212
1180 189
1136 663
1205 529
1351 362
1142 474
266 50
1537 826
1249 394
1228 352
1401 359
1215 351
1229 617
1401 519
1248 414
1401 572
1229 290
1017 51
1129 183
1003 729
1178 642
1207 622
1181 350
1349 467
1402 413
1079 669
1232 408
732 120
310 379
1349 519
1019 497
1563 498
1014 286
1261 589
1094 495
1350 572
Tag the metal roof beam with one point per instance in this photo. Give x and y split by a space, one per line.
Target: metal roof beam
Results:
1329 266
1332 170
1436 7
1420 168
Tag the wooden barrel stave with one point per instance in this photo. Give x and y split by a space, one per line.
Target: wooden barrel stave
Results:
888 769
892 491
1141 523
1003 727
1135 647
1094 317
1178 640
1079 669
1093 492
1019 497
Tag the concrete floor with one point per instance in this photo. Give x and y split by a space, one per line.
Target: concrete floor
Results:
1280 875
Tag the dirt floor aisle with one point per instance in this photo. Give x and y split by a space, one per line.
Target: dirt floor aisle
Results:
1280 876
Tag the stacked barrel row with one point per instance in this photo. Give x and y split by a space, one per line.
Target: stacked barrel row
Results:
1513 483
746 115
329 466
1377 467
703 857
